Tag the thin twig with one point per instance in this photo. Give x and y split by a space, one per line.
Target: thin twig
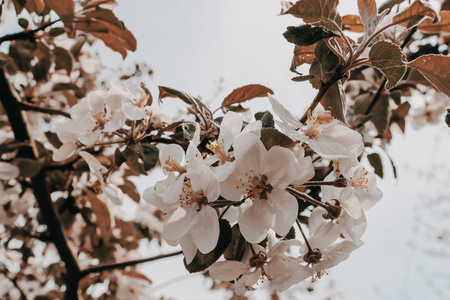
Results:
25 35
31 107
122 265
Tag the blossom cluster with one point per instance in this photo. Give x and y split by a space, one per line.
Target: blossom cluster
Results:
258 187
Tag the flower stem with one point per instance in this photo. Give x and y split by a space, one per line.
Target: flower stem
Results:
304 236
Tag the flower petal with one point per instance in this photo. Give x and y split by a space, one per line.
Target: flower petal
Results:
285 207
205 232
228 270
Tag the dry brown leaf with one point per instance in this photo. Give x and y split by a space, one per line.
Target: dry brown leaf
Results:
246 93
125 35
99 2
304 55
414 14
435 68
112 41
442 26
39 4
65 9
353 23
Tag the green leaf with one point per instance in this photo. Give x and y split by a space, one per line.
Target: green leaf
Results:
266 118
202 261
28 167
272 137
390 60
326 62
306 35
63 60
150 156
376 162
334 101
435 68
236 248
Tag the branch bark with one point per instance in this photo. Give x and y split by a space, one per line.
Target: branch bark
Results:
25 35
49 111
40 189
123 265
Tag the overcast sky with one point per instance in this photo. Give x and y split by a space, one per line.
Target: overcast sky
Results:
193 45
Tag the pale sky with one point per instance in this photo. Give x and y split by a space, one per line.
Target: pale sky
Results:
191 45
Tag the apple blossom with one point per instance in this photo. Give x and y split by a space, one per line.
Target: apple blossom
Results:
259 177
111 191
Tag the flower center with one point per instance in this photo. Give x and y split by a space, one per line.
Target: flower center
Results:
361 182
255 185
172 165
219 150
313 124
190 197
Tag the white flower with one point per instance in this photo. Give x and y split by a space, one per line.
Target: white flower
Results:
111 191
352 229
230 127
8 171
133 288
98 112
331 140
69 146
262 176
185 198
282 270
323 234
361 191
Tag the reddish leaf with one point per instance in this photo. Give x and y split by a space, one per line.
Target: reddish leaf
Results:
353 23
367 10
246 93
414 14
442 26
65 9
435 68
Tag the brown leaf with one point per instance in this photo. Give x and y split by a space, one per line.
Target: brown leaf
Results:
113 42
106 15
98 3
38 5
312 11
353 23
101 211
414 14
246 93
65 9
436 69
334 101
303 55
442 26
390 60
376 162
367 10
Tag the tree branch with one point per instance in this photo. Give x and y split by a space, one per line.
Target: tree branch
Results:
40 189
322 91
49 111
122 265
25 35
